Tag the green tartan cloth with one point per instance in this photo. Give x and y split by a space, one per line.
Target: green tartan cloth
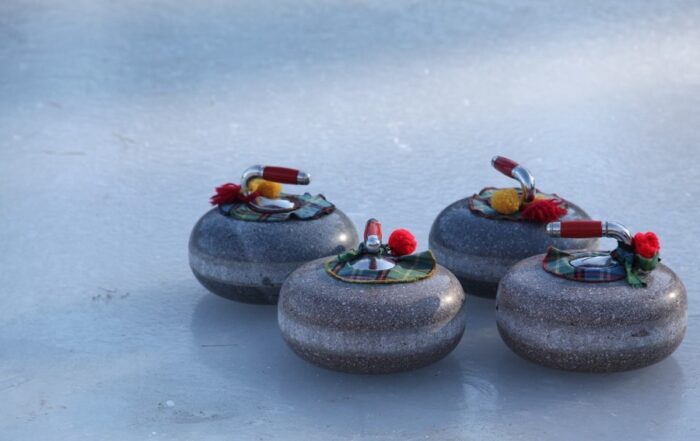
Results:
637 268
558 262
310 207
408 269
480 204
632 267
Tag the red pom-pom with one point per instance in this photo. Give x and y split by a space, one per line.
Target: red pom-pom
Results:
402 242
646 244
543 210
226 194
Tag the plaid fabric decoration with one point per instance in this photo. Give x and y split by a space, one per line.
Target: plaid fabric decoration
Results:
408 269
310 207
637 268
480 204
632 267
558 262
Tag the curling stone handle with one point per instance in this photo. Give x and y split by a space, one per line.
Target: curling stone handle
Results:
581 229
282 175
504 165
578 229
285 175
516 171
373 228
373 235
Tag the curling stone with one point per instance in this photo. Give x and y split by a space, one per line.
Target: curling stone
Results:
480 237
593 311
376 309
245 247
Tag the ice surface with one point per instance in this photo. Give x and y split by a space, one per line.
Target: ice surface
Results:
117 119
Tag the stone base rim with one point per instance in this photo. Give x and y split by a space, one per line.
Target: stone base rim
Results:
239 293
553 359
375 365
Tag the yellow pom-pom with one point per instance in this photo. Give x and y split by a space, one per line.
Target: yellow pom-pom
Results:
505 201
268 189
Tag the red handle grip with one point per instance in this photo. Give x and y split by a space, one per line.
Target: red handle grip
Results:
504 165
282 175
373 228
582 229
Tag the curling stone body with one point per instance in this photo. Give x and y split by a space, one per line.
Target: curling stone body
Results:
248 261
371 328
590 327
479 251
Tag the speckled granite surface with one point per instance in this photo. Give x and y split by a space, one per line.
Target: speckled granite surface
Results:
479 251
590 327
371 328
248 261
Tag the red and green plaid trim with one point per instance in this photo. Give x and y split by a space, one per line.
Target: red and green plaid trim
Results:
408 269
309 207
636 266
480 204
632 267
558 262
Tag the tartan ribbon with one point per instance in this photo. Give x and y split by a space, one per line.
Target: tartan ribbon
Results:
558 262
309 207
637 267
632 267
480 204
408 269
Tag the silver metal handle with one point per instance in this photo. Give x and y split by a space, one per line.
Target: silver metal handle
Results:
590 228
516 171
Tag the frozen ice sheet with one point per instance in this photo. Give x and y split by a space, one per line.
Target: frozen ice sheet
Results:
118 118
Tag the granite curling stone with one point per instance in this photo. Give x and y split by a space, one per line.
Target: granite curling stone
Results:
373 310
245 247
593 311
479 244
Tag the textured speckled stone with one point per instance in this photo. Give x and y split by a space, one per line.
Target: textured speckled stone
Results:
370 328
590 327
249 261
479 250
